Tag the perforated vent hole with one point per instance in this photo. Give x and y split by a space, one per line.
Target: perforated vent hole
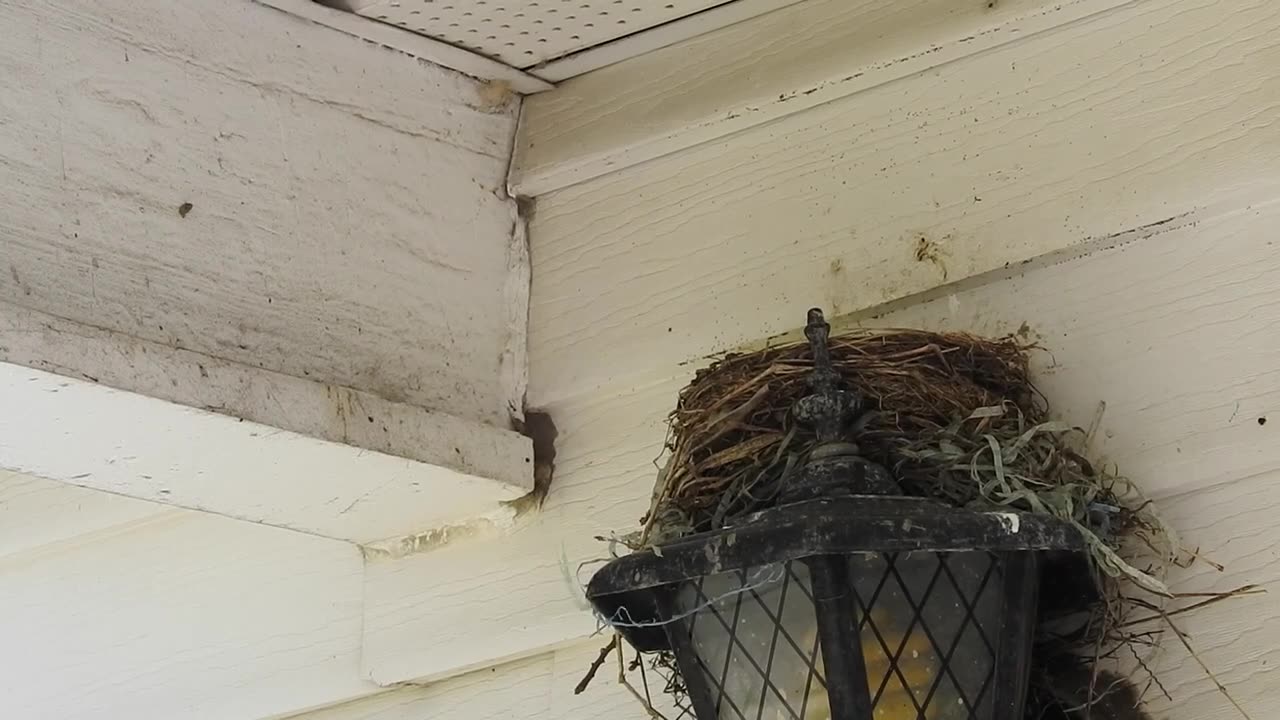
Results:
524 33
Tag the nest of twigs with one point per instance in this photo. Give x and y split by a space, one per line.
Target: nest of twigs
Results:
957 419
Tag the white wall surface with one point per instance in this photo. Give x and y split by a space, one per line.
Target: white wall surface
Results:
120 608
221 205
84 434
1109 181
1106 179
348 222
536 688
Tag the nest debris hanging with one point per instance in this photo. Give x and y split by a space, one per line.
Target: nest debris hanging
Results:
957 419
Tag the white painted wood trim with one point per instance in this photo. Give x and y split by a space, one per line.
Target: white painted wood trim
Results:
84 434
754 73
656 38
1058 145
114 607
410 43
36 513
536 688
1234 525
321 410
250 185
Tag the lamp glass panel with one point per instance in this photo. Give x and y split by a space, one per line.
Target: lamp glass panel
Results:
929 625
756 639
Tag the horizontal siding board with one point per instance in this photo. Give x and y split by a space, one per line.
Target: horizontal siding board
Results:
756 72
80 433
259 47
176 614
1059 143
537 688
1172 331
1239 639
40 512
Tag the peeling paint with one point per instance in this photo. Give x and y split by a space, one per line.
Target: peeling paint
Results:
1011 521
501 520
513 365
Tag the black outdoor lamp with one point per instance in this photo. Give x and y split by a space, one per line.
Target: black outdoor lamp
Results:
848 600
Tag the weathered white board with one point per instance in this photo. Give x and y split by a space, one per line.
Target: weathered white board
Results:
141 611
755 72
1239 639
229 179
81 433
300 405
41 512
1062 142
537 688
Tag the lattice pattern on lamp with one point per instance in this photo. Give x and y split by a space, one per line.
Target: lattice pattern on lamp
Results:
758 646
928 624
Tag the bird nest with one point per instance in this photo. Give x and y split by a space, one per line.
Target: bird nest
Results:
957 419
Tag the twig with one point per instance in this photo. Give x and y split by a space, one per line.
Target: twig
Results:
725 422
595 666
1151 676
1090 697
1250 589
1195 555
622 666
644 679
1094 425
1208 673
1242 591
622 680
